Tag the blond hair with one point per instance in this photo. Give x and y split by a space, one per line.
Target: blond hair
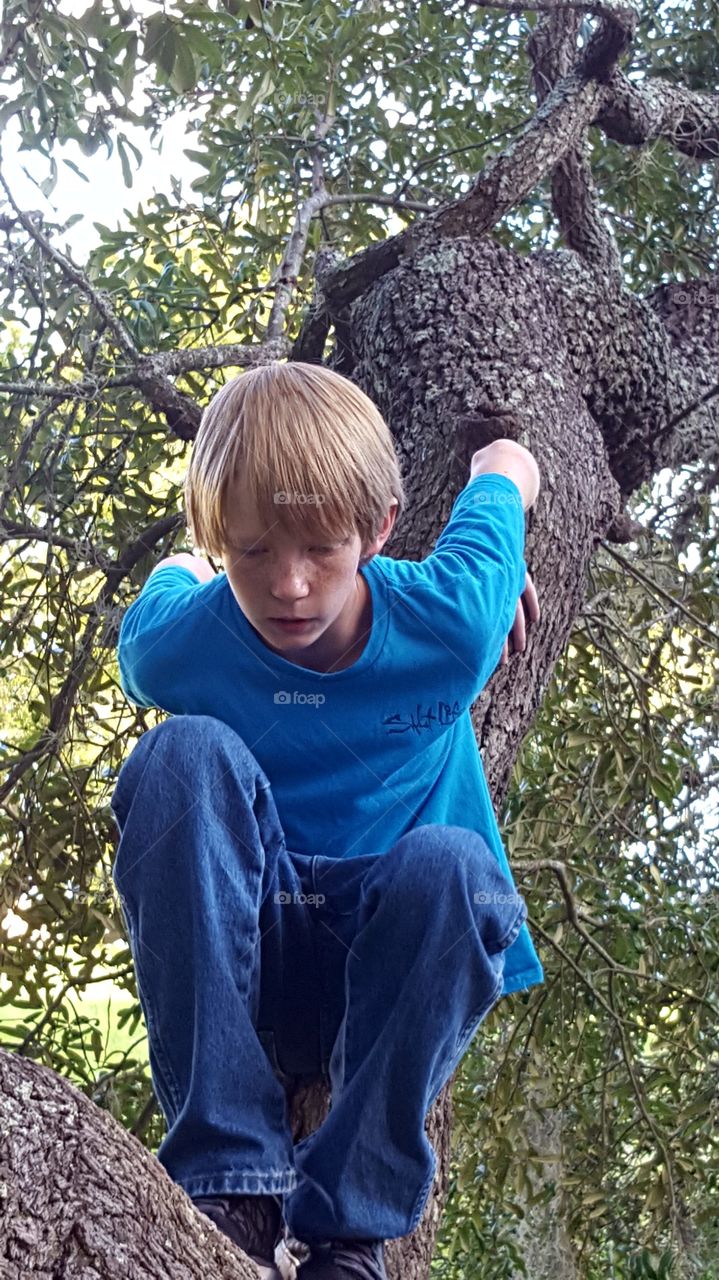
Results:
305 433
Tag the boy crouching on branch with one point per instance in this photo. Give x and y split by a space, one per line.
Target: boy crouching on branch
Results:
310 869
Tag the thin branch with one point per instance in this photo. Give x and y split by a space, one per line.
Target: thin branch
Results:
293 256
654 586
696 404
625 15
99 299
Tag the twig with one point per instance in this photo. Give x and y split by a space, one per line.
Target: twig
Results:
665 595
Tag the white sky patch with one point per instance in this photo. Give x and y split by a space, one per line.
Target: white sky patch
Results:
104 198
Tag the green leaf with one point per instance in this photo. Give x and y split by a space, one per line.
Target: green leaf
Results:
93 21
184 72
71 165
48 183
160 43
127 76
124 160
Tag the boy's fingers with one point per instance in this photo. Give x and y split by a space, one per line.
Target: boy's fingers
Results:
529 595
519 630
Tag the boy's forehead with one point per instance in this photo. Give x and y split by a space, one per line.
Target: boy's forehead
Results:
244 525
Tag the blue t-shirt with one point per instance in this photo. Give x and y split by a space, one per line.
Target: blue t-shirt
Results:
393 731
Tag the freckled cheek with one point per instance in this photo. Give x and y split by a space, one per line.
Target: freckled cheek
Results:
257 583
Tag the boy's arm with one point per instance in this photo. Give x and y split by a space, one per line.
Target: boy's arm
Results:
159 630
184 560
507 458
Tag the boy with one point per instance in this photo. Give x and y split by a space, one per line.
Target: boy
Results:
310 869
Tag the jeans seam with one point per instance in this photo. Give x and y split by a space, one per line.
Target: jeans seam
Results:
510 934
420 1202
167 1076
281 1182
466 1035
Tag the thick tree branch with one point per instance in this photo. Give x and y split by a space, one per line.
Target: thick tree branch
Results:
507 179
552 48
556 128
311 339
637 113
153 368
81 1196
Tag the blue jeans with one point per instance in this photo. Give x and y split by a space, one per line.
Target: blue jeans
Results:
258 967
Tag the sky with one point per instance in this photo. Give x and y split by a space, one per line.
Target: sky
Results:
105 197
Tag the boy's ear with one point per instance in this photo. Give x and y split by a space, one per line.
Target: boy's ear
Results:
374 547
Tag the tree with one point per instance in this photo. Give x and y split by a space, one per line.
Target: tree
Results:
524 294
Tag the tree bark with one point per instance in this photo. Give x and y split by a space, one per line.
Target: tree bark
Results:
82 1199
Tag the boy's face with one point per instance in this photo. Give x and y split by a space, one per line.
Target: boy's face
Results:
274 575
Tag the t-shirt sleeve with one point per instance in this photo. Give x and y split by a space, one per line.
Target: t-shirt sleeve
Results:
157 645
464 594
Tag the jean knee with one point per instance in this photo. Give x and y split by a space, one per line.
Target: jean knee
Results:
186 732
184 742
441 849
436 857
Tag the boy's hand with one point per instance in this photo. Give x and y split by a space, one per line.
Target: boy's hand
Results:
519 630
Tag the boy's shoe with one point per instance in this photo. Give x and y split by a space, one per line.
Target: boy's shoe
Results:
253 1223
344 1260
